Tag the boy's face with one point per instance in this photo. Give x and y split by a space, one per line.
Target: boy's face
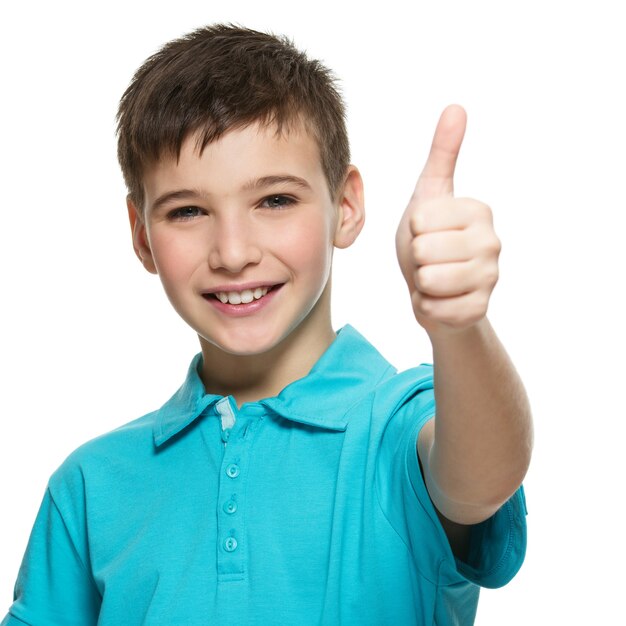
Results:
242 236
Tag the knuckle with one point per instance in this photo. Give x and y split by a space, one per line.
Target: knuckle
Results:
489 246
484 211
417 222
418 249
424 278
427 307
495 246
491 275
478 310
479 210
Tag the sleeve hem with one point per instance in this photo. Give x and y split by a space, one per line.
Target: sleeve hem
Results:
502 537
11 620
511 557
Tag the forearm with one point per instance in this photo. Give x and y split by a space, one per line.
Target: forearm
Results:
475 453
480 449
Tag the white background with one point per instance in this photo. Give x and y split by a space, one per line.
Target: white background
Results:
88 341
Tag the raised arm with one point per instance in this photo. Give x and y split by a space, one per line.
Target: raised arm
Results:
476 451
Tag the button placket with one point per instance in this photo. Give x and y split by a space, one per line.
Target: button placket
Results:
231 551
230 543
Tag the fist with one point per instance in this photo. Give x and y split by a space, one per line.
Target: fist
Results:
447 247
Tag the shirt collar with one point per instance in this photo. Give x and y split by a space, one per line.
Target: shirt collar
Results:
349 369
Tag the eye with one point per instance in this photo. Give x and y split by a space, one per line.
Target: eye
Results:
184 213
277 202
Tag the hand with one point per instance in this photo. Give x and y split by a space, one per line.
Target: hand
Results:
447 247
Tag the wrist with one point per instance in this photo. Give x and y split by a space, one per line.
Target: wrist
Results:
443 335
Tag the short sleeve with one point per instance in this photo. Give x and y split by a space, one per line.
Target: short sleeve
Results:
497 545
53 585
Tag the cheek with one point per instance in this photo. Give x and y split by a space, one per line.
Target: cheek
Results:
174 257
308 245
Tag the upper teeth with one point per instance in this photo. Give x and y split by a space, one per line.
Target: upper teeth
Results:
241 297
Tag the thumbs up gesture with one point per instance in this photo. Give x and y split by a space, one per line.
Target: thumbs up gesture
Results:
447 247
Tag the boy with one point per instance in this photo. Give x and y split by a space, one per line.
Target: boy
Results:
295 477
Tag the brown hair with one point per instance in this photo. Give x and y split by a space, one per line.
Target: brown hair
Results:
223 77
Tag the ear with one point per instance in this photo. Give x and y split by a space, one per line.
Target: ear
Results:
140 237
351 208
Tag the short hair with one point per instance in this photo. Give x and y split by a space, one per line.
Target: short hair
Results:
223 77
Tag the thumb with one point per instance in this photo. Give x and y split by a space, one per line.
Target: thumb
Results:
437 177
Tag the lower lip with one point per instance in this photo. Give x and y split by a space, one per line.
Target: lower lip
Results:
241 310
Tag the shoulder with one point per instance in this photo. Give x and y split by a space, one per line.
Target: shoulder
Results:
400 387
130 436
370 385
97 456
360 369
407 397
129 454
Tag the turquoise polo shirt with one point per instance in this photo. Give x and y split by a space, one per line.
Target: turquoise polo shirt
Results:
305 508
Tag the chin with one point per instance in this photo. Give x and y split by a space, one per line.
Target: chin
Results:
244 344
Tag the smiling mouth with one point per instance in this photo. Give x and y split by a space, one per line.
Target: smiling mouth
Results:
242 297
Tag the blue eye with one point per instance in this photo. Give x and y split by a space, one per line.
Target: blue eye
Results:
277 202
184 213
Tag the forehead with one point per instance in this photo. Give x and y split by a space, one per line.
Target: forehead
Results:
236 159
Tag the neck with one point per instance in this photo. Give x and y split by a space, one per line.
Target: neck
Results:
249 378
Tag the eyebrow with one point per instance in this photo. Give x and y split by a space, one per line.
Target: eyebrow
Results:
170 196
268 181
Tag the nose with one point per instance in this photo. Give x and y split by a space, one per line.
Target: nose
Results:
234 245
